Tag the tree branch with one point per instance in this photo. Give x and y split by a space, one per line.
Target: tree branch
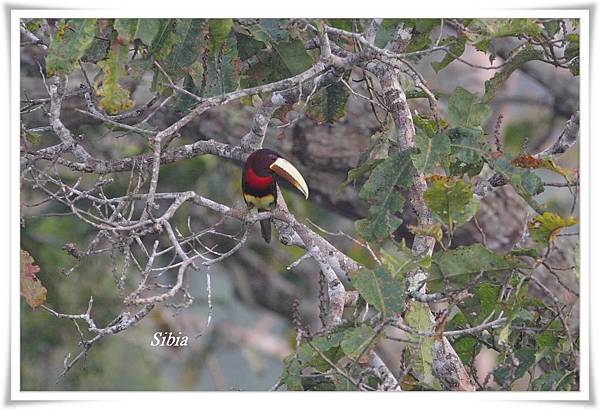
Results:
448 368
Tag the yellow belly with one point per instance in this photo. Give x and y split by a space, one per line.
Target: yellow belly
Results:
263 202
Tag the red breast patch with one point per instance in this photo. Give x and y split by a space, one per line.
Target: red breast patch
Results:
256 182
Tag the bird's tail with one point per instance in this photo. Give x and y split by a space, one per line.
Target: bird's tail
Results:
265 229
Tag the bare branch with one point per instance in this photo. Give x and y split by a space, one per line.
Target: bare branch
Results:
567 138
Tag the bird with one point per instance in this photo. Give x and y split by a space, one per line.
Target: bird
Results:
260 187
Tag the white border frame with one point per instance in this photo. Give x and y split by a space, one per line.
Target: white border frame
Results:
329 11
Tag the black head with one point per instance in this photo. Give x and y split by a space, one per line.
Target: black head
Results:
261 160
265 162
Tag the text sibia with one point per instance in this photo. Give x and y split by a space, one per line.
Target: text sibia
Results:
169 339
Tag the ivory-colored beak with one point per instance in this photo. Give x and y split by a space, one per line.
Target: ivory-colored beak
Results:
288 172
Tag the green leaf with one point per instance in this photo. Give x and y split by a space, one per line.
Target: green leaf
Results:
100 45
33 25
548 381
329 104
293 55
434 230
113 97
551 27
425 125
456 47
144 29
185 103
464 347
270 30
452 203
468 150
398 261
165 40
31 137
416 93
318 383
380 142
380 191
362 169
503 335
345 24
69 44
572 53
525 182
379 223
381 290
420 38
524 55
386 32
567 382
218 30
531 252
431 150
223 70
419 355
483 30
418 317
125 28
546 339
343 384
503 27
247 45
31 288
544 228
478 307
270 66
286 58
187 47
357 340
329 345
462 264
290 377
526 359
465 109
467 145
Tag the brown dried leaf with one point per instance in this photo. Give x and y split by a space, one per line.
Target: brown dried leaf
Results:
528 161
31 287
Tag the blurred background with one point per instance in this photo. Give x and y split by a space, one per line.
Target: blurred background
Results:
253 291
